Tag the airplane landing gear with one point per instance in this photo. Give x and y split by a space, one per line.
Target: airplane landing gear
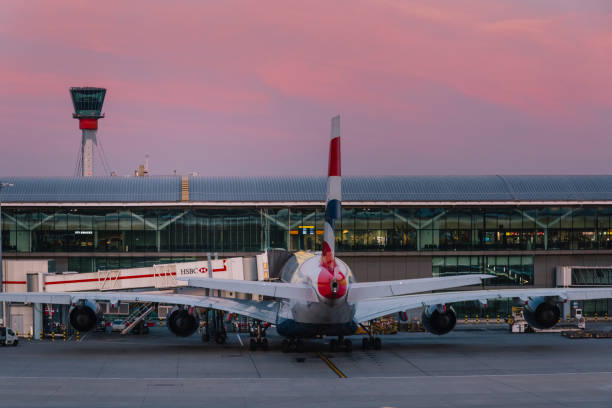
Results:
214 328
370 341
346 344
258 337
296 345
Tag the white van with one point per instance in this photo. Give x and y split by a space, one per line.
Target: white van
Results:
8 337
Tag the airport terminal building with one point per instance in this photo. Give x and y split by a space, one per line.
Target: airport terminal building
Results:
522 229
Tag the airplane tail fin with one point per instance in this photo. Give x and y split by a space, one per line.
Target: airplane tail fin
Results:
334 194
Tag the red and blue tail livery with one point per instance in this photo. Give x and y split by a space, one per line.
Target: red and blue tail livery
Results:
332 282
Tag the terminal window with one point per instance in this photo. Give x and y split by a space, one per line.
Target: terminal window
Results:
508 270
591 276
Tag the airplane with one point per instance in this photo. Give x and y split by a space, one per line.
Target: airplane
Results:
317 294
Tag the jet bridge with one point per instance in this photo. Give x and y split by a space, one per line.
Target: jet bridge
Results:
157 276
22 276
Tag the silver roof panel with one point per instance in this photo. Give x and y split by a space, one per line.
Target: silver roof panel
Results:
309 189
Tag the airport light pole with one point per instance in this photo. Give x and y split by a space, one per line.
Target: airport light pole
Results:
2 185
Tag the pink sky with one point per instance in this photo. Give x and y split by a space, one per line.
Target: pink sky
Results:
248 88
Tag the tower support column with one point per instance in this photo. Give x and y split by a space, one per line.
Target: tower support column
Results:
89 140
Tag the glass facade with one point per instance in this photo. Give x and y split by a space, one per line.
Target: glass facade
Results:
88 101
508 270
130 237
595 276
501 307
599 307
255 229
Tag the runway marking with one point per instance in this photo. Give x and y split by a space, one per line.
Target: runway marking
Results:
239 339
289 379
331 365
251 358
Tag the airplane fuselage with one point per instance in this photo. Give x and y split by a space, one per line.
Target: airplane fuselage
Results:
332 314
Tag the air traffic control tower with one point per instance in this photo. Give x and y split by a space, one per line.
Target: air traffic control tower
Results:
87 103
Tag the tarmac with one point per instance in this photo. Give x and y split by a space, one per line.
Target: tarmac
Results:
473 366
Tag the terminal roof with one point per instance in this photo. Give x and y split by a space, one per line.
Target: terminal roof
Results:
430 189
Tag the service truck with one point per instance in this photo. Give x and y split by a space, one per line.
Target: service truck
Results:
8 337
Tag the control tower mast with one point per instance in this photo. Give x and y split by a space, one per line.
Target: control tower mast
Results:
87 103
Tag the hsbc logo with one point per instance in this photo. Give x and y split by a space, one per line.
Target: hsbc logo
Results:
192 271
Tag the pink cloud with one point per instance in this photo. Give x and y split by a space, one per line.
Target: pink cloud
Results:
266 71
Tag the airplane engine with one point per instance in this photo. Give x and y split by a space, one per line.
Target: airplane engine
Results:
182 322
439 319
541 313
84 316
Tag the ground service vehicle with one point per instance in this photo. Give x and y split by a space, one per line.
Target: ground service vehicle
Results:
117 325
8 337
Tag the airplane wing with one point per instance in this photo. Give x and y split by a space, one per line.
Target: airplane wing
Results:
369 290
357 292
265 311
273 289
373 308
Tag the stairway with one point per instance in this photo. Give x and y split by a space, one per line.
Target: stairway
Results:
137 316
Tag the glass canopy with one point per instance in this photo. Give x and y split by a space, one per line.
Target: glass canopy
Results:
87 102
